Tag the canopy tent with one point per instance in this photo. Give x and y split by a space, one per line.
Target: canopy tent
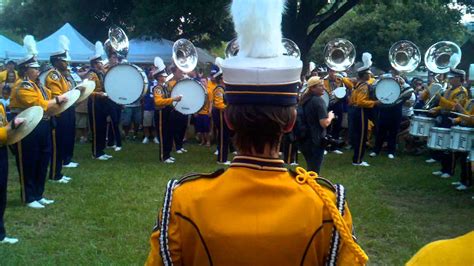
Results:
80 49
9 47
143 51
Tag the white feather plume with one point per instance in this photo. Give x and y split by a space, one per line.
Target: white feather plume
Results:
99 49
219 61
367 59
159 64
30 45
64 43
258 27
454 60
312 66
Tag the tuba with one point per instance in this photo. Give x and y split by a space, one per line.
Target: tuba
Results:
339 54
439 58
116 43
185 55
404 56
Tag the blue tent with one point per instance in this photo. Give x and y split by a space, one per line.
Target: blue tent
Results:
9 47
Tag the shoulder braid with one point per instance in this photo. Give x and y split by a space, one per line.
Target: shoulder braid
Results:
310 178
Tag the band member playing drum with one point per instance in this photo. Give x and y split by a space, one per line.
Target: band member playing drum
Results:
96 106
332 82
466 171
58 84
114 111
256 212
455 94
4 171
164 108
361 105
33 153
179 120
218 109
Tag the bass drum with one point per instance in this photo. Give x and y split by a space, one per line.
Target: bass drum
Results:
387 90
194 96
125 83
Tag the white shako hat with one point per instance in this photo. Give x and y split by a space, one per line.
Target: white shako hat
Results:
367 63
260 73
160 68
99 51
62 52
30 58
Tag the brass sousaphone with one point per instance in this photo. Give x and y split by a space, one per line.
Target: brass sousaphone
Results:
339 55
439 58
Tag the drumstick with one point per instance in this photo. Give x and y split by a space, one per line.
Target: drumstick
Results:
461 114
421 110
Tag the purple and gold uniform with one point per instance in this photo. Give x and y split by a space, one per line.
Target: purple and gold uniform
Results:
164 107
3 168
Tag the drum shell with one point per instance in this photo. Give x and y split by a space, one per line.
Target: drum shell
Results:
199 97
420 126
387 84
461 139
124 96
439 138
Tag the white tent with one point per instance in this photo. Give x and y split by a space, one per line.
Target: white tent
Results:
80 48
143 51
8 48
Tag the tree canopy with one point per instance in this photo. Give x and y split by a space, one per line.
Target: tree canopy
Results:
372 26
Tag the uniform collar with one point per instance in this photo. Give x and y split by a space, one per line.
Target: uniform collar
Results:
259 163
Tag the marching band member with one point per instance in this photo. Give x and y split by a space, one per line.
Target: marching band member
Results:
96 105
164 108
4 171
257 212
33 153
202 120
114 111
9 76
179 120
466 172
57 83
218 109
455 94
362 105
332 82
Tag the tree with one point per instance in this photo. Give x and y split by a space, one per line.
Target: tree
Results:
375 27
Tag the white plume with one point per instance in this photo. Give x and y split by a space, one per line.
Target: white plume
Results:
159 64
219 61
258 27
30 44
64 43
367 59
312 66
454 60
99 49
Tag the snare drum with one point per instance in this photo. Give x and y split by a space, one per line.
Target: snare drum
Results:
194 96
439 138
125 83
420 126
461 138
387 90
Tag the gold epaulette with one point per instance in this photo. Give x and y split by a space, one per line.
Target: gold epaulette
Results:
194 176
321 180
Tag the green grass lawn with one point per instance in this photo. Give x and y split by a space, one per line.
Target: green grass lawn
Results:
106 214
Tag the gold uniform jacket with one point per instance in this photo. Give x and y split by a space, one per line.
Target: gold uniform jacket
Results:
451 97
28 94
468 109
330 86
218 101
255 213
56 83
161 97
3 126
360 96
98 82
6 78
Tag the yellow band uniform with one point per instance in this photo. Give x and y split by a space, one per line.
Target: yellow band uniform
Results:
3 125
28 94
451 97
360 96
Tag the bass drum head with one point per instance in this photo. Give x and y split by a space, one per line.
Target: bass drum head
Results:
125 83
340 92
387 90
194 96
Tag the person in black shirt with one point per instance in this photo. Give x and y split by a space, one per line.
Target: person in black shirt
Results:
317 120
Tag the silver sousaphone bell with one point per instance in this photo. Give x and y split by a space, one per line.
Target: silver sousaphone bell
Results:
439 58
117 43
